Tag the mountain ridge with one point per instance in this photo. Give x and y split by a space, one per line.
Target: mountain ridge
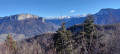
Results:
104 16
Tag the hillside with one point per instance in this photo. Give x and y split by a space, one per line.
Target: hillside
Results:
45 45
78 27
24 26
46 40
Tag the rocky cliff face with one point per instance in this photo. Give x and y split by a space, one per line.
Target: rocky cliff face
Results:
24 26
18 17
26 16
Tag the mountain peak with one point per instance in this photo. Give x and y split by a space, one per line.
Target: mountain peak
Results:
107 11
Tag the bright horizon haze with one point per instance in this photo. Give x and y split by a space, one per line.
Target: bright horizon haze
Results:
54 8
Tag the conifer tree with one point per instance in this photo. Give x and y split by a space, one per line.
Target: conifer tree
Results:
86 37
11 45
89 36
89 29
62 41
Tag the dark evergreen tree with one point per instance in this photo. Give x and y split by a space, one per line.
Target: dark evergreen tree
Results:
89 37
62 41
86 38
88 33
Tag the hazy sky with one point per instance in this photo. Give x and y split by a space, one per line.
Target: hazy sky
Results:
46 8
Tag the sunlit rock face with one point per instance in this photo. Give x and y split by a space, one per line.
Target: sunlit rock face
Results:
19 17
26 16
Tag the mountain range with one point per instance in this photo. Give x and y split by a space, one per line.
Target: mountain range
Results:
104 16
22 26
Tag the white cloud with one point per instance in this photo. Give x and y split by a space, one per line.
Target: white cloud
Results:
72 11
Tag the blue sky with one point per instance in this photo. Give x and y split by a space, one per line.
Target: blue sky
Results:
54 8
